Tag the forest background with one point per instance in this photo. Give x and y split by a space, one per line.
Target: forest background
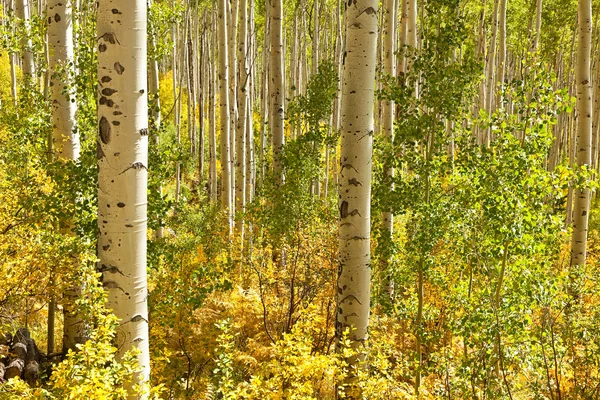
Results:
479 190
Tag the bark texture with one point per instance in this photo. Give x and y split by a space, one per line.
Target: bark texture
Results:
276 74
355 168
581 203
123 171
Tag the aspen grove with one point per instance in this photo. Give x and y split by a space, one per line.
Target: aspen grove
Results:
299 199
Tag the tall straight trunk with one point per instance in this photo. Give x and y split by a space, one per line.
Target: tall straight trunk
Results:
581 204
401 62
501 52
191 84
233 102
490 67
276 87
250 154
338 66
538 24
224 112
212 132
265 98
13 78
358 97
315 48
201 104
22 12
388 124
65 137
176 103
240 183
123 172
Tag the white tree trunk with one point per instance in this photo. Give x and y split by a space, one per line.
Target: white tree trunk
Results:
501 52
22 11
581 203
224 112
240 183
123 172
65 138
388 122
232 24
276 87
212 132
355 183
538 25
489 75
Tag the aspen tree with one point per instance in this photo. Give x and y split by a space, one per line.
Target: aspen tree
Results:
501 52
315 48
240 183
212 132
538 24
65 138
276 87
22 12
224 113
581 203
388 118
250 159
201 104
489 75
123 171
265 96
232 24
357 125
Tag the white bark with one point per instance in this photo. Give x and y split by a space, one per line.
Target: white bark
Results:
276 87
581 203
212 132
491 62
122 171
501 52
538 25
388 120
65 138
224 112
232 24
355 166
22 12
240 183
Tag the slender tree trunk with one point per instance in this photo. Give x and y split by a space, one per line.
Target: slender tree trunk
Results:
388 127
212 132
265 98
233 102
22 12
224 110
581 204
358 97
240 183
315 48
123 172
65 137
276 87
491 62
538 24
501 52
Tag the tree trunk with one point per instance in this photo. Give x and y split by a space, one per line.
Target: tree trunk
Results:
22 12
224 111
65 137
358 98
581 204
388 127
123 172
240 183
276 87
